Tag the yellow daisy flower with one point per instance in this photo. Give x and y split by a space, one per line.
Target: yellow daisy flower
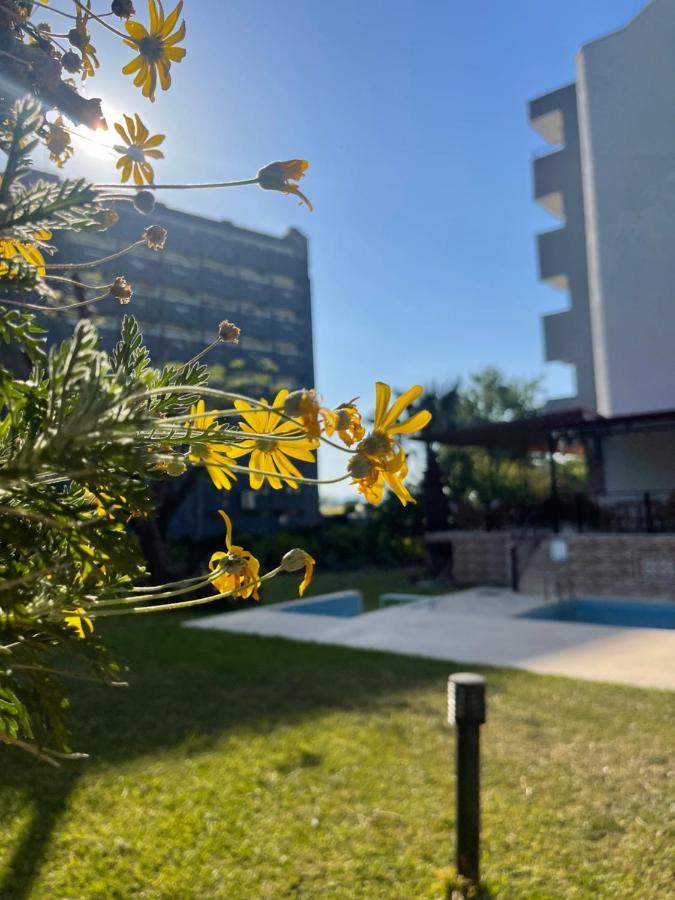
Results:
379 458
271 454
156 48
216 457
10 249
347 423
278 176
371 474
78 619
138 145
240 568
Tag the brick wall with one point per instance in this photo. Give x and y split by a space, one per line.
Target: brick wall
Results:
478 557
612 565
621 565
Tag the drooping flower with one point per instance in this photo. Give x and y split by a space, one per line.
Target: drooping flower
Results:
79 37
30 253
240 569
304 405
295 560
278 176
273 441
58 143
156 48
370 475
138 146
347 423
216 457
79 620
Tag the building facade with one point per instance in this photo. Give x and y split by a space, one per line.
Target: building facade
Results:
210 271
611 178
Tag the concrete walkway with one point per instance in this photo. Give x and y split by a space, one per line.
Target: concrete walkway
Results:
478 626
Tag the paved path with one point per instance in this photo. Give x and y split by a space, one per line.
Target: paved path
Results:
478 626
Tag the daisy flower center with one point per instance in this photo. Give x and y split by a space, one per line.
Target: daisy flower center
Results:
266 444
136 153
233 563
152 48
376 444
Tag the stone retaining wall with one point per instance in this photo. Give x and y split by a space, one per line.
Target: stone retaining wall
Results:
612 565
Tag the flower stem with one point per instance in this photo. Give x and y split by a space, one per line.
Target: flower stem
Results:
95 262
91 15
52 309
180 187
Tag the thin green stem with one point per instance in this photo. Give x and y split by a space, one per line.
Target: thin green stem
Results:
201 601
95 262
181 187
53 9
54 309
91 15
203 352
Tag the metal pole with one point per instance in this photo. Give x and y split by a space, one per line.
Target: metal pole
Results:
466 710
649 522
552 447
513 559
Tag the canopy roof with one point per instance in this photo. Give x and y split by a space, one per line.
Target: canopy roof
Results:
540 432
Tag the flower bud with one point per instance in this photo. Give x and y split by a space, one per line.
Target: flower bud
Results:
123 9
228 332
294 560
121 290
71 62
144 202
155 237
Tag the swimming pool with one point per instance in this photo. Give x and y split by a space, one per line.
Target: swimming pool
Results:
607 611
343 604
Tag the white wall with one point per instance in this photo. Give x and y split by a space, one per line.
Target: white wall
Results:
626 98
640 462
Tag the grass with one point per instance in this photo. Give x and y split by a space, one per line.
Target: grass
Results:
371 583
243 768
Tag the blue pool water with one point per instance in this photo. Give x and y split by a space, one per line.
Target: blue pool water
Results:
627 613
343 605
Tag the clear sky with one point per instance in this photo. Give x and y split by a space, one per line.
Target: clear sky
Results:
413 116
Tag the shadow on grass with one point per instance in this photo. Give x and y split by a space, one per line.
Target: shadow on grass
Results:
188 687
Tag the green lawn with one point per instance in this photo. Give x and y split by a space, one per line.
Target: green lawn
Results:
371 583
242 767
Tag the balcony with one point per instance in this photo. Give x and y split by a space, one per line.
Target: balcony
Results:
549 174
559 338
552 247
548 112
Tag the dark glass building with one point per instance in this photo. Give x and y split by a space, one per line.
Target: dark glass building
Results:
210 271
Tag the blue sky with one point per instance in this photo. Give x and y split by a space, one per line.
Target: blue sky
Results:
413 116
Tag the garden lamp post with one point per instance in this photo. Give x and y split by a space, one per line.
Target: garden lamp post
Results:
466 711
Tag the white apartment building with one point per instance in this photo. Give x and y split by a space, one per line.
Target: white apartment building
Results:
610 178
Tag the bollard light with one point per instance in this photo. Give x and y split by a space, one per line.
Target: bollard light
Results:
466 711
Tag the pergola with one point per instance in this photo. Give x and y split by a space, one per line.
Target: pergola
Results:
546 432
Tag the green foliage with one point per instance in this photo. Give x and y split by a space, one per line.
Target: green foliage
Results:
480 477
29 207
